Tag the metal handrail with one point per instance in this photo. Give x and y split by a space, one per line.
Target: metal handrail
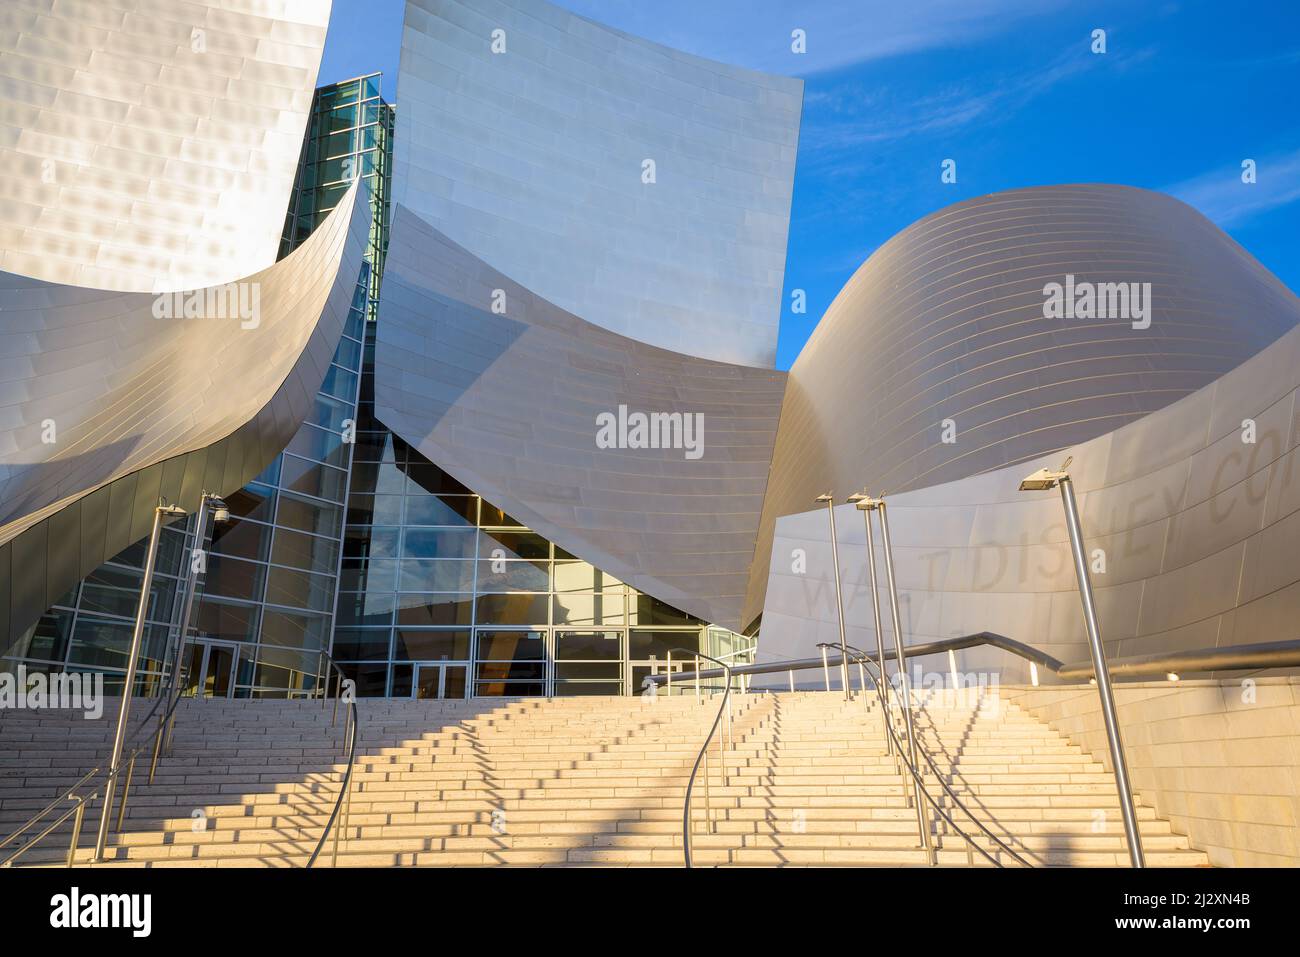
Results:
70 794
862 659
699 758
344 801
1251 657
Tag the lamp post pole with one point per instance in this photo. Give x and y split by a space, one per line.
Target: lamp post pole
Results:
133 656
905 691
829 499
1104 691
866 504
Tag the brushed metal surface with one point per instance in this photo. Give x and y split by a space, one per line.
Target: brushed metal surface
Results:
1198 533
508 405
532 159
143 406
151 145
946 322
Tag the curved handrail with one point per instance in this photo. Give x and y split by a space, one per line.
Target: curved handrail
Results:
71 793
1249 657
344 800
699 758
863 659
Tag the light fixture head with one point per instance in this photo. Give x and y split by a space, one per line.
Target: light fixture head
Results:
220 511
826 497
1045 479
857 497
1171 676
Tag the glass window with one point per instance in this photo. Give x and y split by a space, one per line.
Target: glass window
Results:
416 645
371 679
493 516
306 515
652 611
305 551
47 639
514 545
360 574
575 608
295 629
438 543
366 608
361 644
641 645
242 539
429 610
580 576
515 608
220 618
586 670
496 575
436 574
374 509
589 645
376 542
425 509
521 645
316 443
300 589
254 501
320 481
330 412
432 479
340 383
234 578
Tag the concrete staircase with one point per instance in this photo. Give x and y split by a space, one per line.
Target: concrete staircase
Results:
578 782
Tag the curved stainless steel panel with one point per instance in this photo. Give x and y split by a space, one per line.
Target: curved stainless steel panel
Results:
107 406
508 404
946 322
151 145
532 159
1192 530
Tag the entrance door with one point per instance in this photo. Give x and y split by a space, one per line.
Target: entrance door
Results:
436 679
210 668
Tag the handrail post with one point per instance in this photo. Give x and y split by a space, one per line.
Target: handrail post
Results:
128 684
76 829
1102 673
905 688
338 692
126 792
668 679
826 670
829 499
697 679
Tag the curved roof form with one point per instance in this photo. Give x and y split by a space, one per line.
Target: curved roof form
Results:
1197 518
151 145
488 150
938 361
509 403
113 399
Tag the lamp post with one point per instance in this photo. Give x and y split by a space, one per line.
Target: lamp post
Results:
220 515
137 635
1042 480
829 499
905 690
866 504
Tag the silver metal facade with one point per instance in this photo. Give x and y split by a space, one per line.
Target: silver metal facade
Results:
1192 532
151 145
508 405
532 158
945 325
140 406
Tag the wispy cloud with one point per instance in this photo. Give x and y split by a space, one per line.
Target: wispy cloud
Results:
756 33
1224 198
851 116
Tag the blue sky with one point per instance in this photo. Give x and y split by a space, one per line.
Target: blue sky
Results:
1008 88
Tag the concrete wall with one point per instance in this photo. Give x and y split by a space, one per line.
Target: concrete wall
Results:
532 159
1219 759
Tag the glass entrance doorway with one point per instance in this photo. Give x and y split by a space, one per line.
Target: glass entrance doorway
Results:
209 668
438 679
